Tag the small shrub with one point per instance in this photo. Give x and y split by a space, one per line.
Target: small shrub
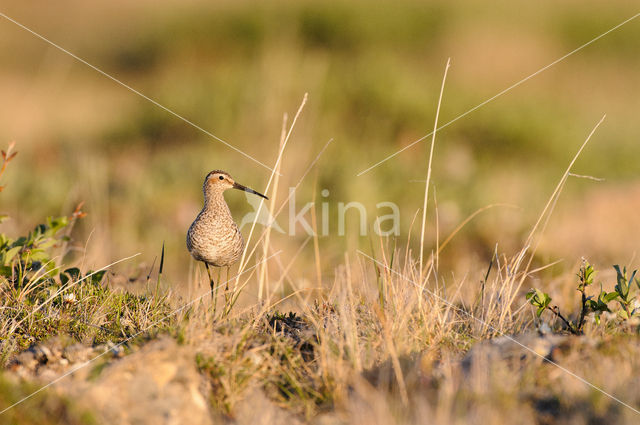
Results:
591 304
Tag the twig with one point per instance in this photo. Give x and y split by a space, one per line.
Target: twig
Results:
572 329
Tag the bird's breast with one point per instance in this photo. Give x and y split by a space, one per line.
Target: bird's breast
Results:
215 240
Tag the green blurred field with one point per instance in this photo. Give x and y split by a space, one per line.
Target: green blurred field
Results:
372 71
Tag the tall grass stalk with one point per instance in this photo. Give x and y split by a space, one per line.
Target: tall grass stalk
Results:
426 186
264 276
271 177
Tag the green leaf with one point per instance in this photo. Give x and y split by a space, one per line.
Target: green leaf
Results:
589 274
530 294
55 225
22 241
39 255
46 243
546 299
617 267
97 277
585 274
73 272
4 240
539 299
10 253
622 287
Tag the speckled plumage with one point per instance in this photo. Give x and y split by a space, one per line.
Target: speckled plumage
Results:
213 237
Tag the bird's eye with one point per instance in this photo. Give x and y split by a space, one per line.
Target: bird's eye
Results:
221 177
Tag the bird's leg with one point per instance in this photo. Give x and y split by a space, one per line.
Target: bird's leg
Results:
215 297
211 282
226 287
226 283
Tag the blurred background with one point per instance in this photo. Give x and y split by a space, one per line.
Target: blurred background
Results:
373 72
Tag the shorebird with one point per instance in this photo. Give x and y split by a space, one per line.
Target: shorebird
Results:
213 237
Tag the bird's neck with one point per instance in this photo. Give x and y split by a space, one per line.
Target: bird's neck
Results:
214 203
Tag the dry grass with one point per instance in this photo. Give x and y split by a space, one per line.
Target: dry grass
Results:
380 346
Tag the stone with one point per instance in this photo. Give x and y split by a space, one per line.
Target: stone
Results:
158 384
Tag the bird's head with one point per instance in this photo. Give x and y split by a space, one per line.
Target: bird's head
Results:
217 181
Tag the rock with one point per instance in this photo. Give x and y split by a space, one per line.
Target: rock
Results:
257 409
159 384
41 353
117 351
77 353
26 359
514 348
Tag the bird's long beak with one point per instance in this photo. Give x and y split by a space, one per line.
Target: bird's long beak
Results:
246 189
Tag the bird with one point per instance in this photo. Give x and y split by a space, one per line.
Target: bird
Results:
213 237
